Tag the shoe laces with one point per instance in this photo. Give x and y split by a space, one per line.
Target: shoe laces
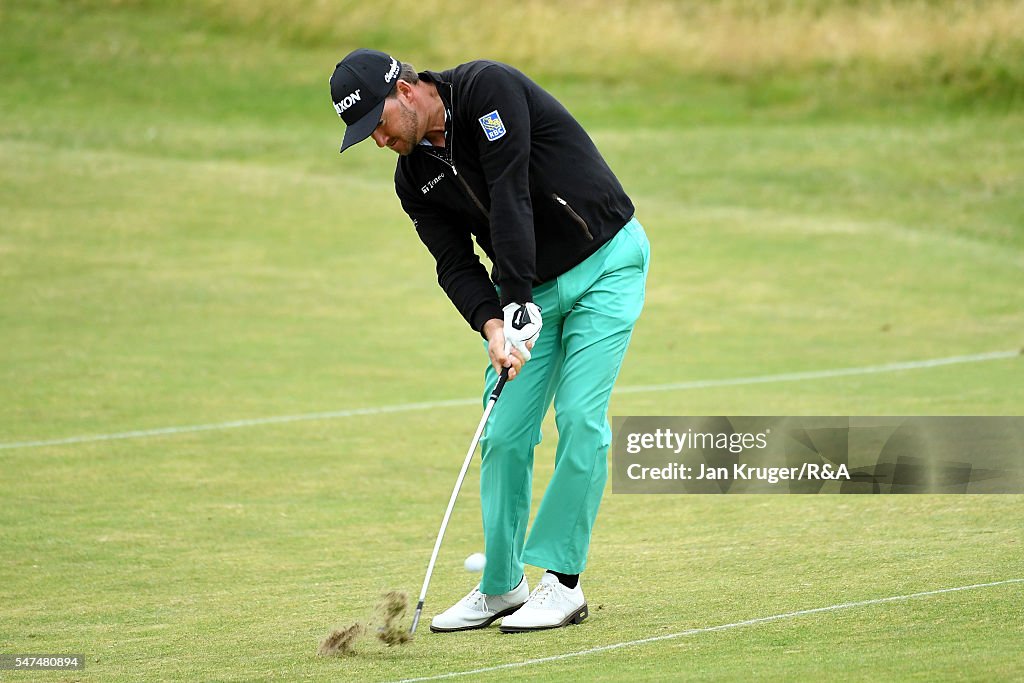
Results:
475 598
542 593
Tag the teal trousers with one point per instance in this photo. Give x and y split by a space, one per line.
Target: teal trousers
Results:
588 313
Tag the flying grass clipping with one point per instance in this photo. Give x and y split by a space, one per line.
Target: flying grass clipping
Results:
386 622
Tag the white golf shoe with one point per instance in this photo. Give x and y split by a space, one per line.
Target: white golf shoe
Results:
478 610
551 605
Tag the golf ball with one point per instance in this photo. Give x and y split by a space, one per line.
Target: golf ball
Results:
475 562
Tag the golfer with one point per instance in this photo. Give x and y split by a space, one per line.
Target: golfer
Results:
485 154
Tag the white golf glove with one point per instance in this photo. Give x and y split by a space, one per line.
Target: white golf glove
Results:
522 324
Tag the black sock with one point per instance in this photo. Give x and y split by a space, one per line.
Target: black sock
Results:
567 580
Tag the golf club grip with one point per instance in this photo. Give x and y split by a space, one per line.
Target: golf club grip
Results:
502 378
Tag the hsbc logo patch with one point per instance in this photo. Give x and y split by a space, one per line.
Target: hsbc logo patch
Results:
347 102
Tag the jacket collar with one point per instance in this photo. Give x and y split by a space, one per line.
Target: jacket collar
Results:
444 88
445 91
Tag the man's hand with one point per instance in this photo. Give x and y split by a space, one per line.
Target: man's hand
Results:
497 348
522 325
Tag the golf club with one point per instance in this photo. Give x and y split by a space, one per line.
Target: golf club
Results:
455 493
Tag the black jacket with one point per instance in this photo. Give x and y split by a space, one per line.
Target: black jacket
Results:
534 192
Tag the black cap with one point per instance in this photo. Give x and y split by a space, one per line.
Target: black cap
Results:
360 84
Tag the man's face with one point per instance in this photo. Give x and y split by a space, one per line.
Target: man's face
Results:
398 127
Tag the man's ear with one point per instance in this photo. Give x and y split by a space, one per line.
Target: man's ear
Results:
406 93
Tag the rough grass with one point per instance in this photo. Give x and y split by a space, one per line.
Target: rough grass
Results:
967 53
975 46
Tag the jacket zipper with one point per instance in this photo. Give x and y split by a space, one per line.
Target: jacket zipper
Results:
450 153
575 216
469 191
462 181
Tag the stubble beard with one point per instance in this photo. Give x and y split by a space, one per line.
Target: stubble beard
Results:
410 128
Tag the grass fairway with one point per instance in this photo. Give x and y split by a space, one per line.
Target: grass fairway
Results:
181 246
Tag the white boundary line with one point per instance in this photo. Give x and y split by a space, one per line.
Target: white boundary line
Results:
824 374
429 405
707 629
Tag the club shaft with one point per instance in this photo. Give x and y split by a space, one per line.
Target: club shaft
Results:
455 494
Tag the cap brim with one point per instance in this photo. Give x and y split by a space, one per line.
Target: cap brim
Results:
361 129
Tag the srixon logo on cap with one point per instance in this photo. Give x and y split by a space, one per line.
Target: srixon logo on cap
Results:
347 102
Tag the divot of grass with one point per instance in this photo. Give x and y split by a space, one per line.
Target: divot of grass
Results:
341 642
391 611
387 619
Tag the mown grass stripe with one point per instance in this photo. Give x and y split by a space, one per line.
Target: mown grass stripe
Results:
430 405
709 629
